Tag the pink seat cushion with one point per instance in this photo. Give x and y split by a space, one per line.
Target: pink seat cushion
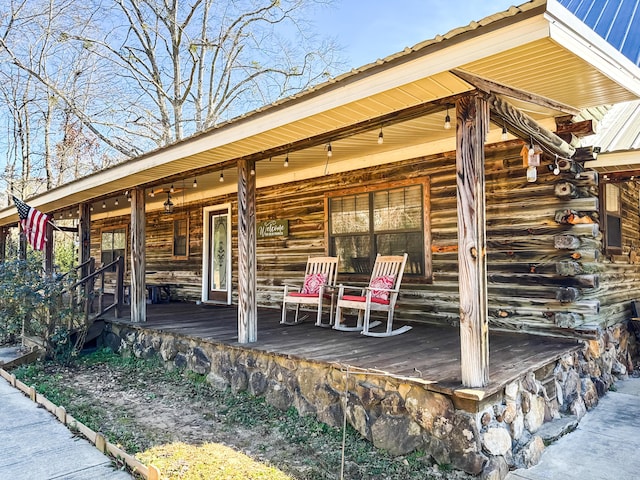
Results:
383 281
313 282
303 295
357 298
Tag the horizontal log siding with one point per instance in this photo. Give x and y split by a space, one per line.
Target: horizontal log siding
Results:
620 278
527 277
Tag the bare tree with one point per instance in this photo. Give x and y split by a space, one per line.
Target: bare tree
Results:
140 74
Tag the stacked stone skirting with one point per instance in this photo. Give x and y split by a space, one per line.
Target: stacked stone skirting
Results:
401 415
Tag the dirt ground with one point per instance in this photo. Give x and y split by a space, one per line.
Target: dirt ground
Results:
144 407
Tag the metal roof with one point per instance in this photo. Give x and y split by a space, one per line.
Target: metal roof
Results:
539 48
617 21
619 130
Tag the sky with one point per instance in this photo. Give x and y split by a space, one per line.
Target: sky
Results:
373 29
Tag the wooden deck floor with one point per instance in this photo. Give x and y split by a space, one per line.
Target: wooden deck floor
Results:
426 352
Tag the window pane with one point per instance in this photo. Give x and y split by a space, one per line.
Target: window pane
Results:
350 214
398 209
398 244
614 231
107 241
612 197
180 237
354 253
119 239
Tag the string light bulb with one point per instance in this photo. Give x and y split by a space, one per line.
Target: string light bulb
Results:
116 203
505 134
171 189
152 194
104 204
329 150
253 171
195 182
221 179
380 137
447 120
286 161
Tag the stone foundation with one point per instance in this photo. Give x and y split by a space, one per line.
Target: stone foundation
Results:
398 414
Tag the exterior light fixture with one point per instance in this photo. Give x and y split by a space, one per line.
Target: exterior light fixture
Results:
221 179
171 190
168 205
380 137
116 203
195 182
152 194
286 160
253 171
447 120
104 205
329 150
91 208
505 134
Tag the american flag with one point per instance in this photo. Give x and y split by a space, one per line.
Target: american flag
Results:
34 224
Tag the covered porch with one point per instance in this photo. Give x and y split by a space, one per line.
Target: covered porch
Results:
428 355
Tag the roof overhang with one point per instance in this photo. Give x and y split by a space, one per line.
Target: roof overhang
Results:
538 47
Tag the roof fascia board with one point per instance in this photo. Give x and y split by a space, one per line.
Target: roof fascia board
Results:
570 32
616 159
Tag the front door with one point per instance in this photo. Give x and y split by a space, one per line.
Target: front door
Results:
216 287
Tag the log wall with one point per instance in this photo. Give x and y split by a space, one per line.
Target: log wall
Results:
546 270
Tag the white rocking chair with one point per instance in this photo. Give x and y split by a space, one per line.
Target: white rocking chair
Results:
380 295
317 290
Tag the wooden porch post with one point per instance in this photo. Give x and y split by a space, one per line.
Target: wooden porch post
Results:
47 258
3 244
247 309
22 243
138 256
472 123
84 236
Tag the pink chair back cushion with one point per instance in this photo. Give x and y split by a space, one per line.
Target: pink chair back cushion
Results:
313 282
383 281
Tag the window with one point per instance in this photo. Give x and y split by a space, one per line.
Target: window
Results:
112 245
181 237
391 221
612 218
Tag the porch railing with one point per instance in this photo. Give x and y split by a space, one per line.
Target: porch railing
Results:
84 292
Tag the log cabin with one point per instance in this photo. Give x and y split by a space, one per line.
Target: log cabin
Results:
474 152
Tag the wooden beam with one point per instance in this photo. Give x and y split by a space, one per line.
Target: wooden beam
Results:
247 307
564 125
492 87
138 256
472 123
523 126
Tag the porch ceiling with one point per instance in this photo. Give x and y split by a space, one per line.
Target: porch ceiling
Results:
536 48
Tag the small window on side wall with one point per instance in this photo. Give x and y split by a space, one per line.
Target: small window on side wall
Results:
612 218
181 238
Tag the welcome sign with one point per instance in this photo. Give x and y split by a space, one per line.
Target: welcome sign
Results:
273 228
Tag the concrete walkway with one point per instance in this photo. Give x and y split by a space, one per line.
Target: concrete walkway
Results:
34 445
603 447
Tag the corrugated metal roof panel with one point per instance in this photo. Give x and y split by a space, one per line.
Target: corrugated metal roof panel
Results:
619 130
617 21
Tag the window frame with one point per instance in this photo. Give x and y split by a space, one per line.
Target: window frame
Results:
371 188
605 196
173 238
112 229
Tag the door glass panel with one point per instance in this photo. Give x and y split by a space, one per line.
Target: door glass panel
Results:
220 252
